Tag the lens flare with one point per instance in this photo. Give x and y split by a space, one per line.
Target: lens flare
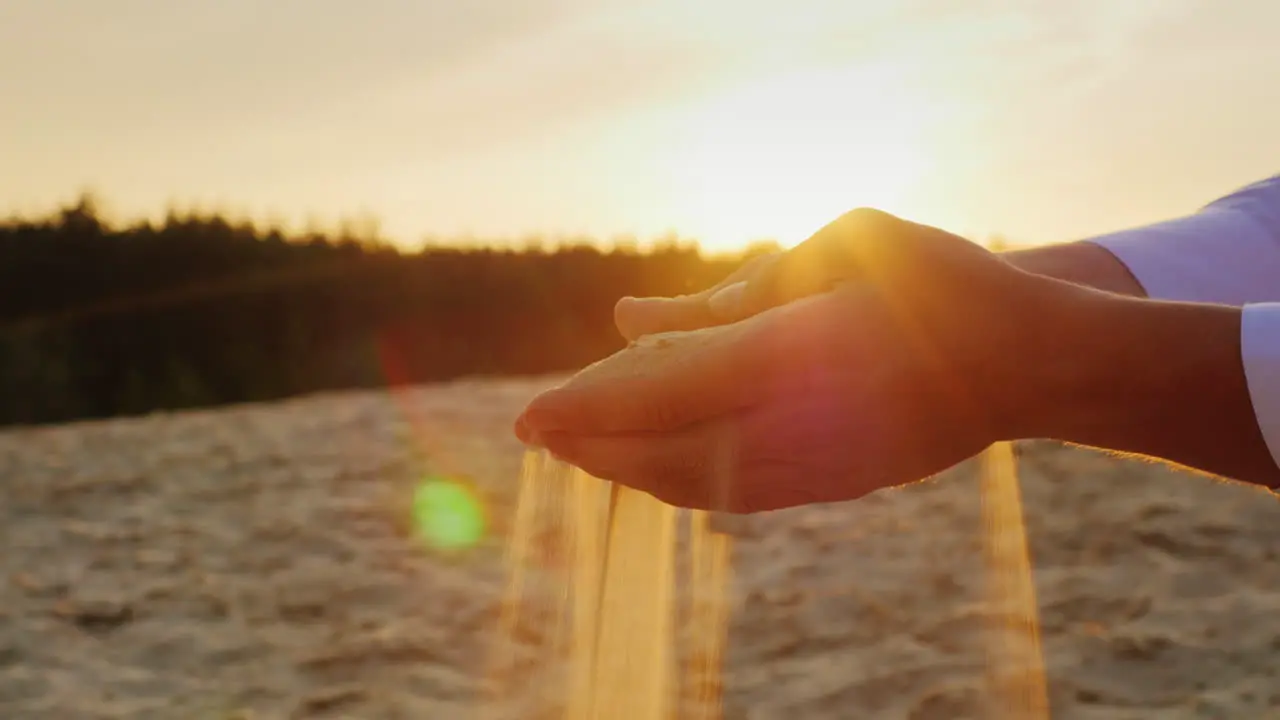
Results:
447 515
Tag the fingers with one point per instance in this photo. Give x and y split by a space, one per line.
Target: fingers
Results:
666 381
636 317
674 467
526 434
794 453
661 382
846 249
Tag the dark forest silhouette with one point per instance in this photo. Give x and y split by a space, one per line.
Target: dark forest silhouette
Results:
99 321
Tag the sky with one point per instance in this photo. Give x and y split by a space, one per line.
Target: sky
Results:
725 120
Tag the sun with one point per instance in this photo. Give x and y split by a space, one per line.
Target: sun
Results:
778 157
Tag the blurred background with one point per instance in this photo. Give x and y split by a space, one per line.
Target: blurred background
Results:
293 266
218 202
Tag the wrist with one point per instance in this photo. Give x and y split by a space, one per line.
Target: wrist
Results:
1154 378
1080 263
1050 362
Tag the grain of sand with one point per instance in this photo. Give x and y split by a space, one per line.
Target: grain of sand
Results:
257 562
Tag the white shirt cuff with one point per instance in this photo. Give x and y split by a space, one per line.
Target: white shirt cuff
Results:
1260 352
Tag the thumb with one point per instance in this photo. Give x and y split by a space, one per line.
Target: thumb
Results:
660 383
636 317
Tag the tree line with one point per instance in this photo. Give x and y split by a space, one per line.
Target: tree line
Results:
99 321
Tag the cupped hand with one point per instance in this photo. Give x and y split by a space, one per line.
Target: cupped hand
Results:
833 385
636 317
840 251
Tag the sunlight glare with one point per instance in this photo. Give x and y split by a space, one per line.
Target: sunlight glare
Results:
447 515
780 157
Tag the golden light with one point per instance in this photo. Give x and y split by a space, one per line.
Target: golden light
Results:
781 156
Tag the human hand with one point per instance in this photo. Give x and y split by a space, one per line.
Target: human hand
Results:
635 317
824 259
812 267
915 360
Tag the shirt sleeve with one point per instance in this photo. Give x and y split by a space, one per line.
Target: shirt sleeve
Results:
1228 252
1260 352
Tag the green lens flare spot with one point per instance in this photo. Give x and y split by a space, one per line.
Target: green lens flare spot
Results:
447 514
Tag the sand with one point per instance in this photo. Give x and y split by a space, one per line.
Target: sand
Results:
257 562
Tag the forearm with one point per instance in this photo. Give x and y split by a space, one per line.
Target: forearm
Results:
1228 253
1164 379
1155 378
1082 263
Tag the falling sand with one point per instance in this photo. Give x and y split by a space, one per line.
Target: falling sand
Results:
622 643
260 562
641 628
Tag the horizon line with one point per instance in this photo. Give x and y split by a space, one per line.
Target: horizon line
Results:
364 227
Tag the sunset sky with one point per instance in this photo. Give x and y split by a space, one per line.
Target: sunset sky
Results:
721 119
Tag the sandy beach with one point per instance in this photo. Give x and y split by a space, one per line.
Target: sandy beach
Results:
258 562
